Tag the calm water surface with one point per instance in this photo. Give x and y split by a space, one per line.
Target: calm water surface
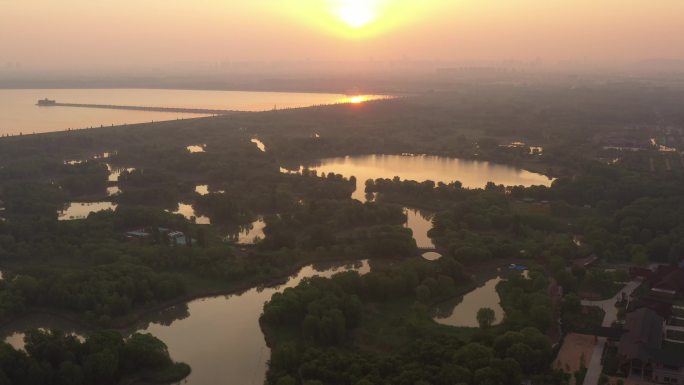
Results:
196 148
431 256
189 213
420 222
18 113
463 311
248 234
219 337
471 173
113 190
81 210
245 234
115 172
260 145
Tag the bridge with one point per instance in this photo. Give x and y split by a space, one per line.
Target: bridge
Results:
202 111
423 250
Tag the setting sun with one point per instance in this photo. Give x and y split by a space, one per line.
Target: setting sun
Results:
358 99
357 20
357 13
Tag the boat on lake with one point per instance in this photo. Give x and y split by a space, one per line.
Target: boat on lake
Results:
46 102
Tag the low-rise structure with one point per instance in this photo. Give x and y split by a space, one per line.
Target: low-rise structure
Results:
646 353
670 283
174 237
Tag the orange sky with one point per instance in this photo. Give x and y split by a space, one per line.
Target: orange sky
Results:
134 33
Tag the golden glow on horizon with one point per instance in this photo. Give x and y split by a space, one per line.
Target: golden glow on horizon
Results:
563 33
358 99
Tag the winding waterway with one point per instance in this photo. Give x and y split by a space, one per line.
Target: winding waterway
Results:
218 337
420 222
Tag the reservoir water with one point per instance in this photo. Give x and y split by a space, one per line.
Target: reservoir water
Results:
19 114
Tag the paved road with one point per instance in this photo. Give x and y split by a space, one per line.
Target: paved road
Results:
595 368
608 305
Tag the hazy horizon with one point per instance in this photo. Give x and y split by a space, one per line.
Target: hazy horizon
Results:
107 36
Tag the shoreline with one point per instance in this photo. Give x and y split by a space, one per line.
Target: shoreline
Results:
127 323
124 324
172 110
525 165
478 276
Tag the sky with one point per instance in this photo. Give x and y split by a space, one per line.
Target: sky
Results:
92 34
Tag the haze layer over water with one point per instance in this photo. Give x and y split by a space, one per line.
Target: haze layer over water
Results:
19 114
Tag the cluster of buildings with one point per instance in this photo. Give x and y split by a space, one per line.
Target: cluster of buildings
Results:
531 150
174 237
650 346
648 350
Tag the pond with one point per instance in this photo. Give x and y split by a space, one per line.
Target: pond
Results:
463 311
202 189
471 173
420 222
189 213
193 149
14 332
247 234
219 337
115 172
431 256
260 145
81 210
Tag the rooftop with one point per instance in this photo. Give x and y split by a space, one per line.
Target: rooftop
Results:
644 336
672 281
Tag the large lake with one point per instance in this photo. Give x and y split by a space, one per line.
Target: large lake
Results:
471 173
19 114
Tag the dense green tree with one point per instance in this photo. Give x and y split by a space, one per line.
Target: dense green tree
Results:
485 317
